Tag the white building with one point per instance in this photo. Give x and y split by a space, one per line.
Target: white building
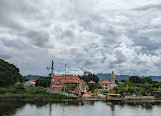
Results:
30 83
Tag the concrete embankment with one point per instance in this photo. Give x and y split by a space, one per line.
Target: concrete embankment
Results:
129 98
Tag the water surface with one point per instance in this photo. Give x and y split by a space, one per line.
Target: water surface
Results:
87 108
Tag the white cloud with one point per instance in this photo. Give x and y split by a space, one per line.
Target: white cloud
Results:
95 35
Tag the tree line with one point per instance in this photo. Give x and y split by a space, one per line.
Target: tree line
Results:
138 86
9 74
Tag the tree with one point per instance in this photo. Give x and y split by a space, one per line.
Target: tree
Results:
147 79
93 86
19 87
88 76
69 88
135 79
43 81
9 74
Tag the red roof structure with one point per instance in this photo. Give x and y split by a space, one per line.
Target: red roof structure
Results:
57 86
33 80
72 81
58 81
105 82
67 77
91 81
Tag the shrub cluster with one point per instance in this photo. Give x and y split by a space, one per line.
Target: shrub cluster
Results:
18 91
139 87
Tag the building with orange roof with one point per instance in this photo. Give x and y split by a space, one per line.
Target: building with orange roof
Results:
91 81
58 82
107 85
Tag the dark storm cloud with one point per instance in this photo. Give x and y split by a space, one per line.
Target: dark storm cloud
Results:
120 57
148 7
39 39
146 43
12 11
16 44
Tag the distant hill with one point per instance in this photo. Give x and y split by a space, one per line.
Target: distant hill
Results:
102 77
32 77
155 78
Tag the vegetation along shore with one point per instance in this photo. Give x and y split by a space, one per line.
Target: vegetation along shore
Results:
132 88
20 92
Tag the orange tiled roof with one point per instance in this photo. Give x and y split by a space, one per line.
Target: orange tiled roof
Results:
105 82
57 83
91 81
66 77
57 86
72 81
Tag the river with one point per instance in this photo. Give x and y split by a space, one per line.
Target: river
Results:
86 108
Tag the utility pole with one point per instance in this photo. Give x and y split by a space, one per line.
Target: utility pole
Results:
52 71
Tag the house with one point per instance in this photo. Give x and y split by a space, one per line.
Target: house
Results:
107 85
30 83
58 82
91 82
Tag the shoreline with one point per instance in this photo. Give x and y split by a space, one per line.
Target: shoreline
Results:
81 100
123 100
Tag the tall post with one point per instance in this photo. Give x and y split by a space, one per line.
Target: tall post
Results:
52 71
113 78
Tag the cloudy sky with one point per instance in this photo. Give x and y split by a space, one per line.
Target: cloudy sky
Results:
94 35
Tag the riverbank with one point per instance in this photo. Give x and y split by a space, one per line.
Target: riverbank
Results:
60 97
19 92
129 98
54 97
36 97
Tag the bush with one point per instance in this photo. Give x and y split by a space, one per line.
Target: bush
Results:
82 93
12 89
94 95
19 88
57 96
3 90
41 90
38 90
70 87
105 92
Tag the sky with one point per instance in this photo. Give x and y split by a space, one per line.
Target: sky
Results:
99 36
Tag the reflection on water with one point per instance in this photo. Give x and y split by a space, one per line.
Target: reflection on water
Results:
85 108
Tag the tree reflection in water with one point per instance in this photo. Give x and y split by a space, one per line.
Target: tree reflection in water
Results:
12 107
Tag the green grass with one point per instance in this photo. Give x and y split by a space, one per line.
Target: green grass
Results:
28 96
19 92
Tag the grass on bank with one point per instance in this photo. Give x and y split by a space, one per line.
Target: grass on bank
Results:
19 92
